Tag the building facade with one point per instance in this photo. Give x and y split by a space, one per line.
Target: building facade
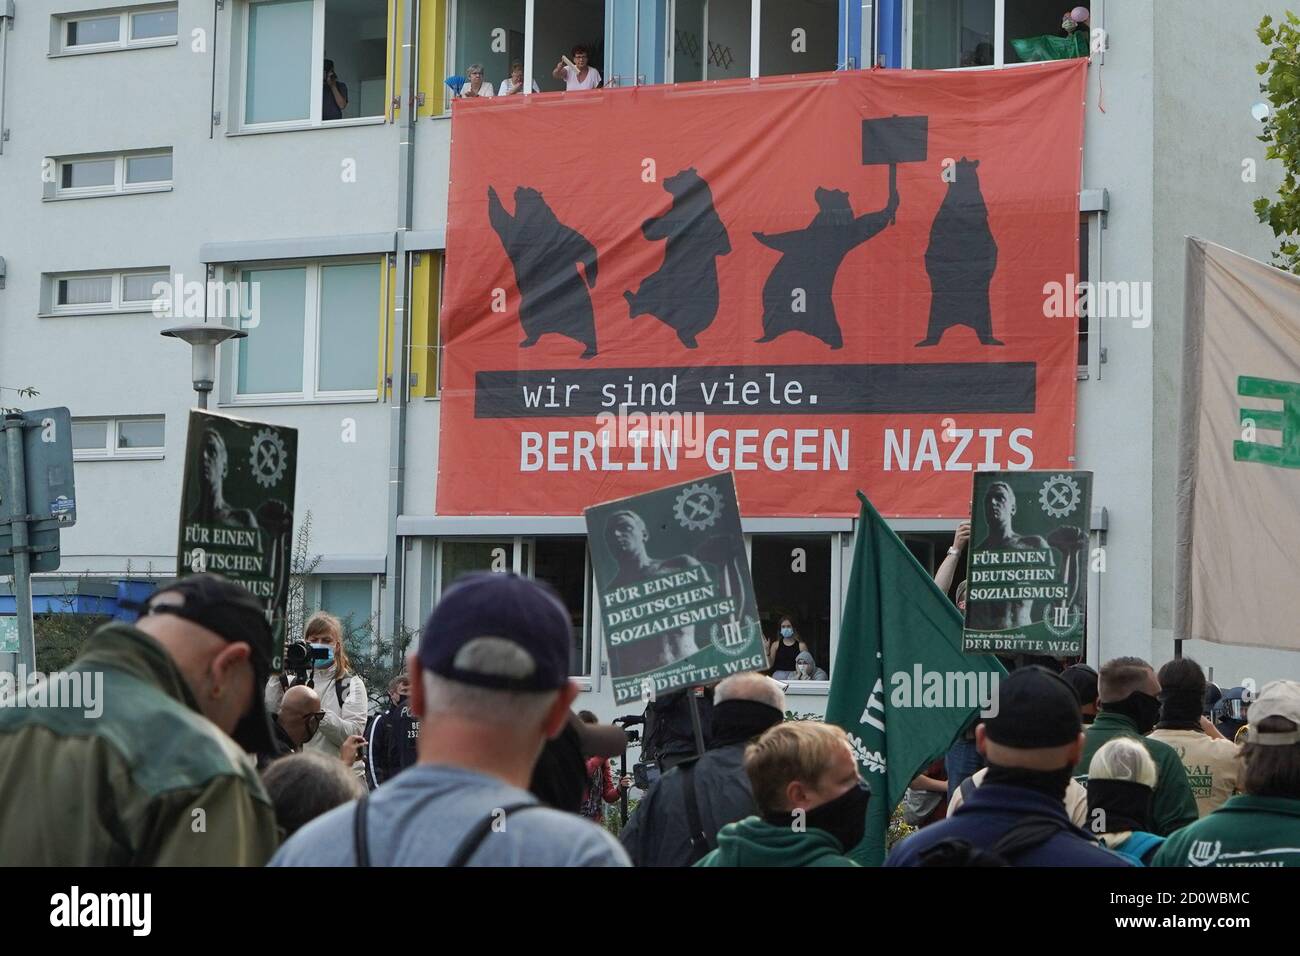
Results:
230 166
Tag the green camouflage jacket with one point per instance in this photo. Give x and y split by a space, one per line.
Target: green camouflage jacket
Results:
149 781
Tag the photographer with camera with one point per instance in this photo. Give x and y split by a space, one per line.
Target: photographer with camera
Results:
320 661
334 94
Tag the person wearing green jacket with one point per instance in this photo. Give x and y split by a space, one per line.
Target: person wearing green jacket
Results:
811 800
1260 827
1130 706
127 758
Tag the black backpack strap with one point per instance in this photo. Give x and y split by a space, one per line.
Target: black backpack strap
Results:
360 838
470 843
694 826
1025 836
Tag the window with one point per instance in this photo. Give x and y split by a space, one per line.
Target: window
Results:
88 293
792 577
349 599
800 37
560 560
562 563
313 62
312 332
952 33
494 34
97 439
153 25
108 174
947 34
728 26
119 30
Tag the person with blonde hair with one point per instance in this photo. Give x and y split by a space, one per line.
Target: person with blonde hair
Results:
811 800
1121 785
342 693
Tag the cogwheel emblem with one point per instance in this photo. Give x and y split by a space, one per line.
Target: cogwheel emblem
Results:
698 507
268 458
1059 496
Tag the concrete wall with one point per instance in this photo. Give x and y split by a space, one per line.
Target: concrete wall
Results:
1205 86
227 188
1114 419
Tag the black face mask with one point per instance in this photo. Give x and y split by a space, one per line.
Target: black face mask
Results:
1126 805
1052 783
845 817
1142 709
735 721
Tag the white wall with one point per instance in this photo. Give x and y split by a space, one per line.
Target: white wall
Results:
227 188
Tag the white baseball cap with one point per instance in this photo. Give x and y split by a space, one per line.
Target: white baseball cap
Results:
1281 698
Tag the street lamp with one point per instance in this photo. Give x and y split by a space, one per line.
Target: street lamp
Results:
204 338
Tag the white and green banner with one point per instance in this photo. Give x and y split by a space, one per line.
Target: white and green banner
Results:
1239 440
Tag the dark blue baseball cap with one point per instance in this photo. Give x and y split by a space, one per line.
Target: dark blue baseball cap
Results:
507 607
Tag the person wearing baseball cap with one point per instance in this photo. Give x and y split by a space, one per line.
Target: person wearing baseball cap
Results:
1017 817
134 764
490 684
1261 825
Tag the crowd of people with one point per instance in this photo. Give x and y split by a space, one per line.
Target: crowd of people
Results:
480 759
576 74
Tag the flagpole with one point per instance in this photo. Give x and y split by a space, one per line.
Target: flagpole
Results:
696 726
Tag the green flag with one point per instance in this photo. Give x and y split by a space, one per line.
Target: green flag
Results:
900 666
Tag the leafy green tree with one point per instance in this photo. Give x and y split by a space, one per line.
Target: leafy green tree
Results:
1282 134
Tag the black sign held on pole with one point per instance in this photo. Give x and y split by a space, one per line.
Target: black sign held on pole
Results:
237 509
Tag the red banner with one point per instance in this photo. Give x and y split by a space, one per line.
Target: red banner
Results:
653 284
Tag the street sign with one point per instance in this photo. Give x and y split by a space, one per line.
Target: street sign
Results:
8 635
51 496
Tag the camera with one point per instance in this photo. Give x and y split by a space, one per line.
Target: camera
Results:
301 658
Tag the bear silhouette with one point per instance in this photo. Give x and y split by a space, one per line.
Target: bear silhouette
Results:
961 259
683 293
797 295
545 254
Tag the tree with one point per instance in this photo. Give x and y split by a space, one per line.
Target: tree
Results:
1282 134
25 391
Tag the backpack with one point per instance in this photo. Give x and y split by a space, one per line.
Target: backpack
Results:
1021 838
1139 845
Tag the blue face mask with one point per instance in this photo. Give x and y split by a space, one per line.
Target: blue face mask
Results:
787 632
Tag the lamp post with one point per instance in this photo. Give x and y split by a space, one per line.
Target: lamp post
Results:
204 338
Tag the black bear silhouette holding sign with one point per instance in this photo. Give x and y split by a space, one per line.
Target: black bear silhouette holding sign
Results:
797 295
683 293
545 254
961 260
